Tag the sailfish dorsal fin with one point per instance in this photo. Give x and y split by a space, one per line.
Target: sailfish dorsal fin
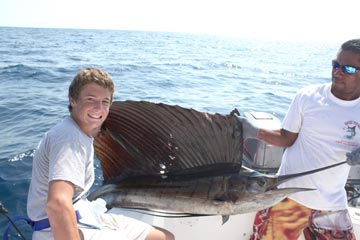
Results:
144 138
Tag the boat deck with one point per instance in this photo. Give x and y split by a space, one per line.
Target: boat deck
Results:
238 227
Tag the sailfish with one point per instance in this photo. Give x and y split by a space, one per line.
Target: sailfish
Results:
171 159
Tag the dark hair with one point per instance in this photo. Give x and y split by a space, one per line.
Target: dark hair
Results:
87 76
351 45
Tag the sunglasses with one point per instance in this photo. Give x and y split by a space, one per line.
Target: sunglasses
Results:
350 70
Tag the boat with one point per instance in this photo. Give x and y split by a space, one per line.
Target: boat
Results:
259 156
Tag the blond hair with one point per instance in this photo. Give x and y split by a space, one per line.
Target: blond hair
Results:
87 76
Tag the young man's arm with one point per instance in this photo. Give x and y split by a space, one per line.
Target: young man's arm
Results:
60 210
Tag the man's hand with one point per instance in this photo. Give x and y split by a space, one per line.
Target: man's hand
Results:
353 158
248 130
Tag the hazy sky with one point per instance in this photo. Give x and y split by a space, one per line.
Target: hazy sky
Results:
318 20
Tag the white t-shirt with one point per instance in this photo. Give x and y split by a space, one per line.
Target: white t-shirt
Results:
67 153
328 128
64 153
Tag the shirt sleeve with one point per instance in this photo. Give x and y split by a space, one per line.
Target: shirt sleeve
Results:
67 162
294 116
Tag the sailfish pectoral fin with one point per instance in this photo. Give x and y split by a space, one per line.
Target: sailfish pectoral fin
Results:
156 213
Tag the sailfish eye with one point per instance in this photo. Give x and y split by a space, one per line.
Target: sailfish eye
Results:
261 181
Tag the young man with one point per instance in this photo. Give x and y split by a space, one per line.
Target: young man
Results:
63 171
320 128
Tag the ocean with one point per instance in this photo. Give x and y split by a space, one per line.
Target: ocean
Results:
208 73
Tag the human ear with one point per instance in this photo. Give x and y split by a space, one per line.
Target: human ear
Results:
72 101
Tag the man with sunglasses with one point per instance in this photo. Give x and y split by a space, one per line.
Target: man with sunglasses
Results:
321 127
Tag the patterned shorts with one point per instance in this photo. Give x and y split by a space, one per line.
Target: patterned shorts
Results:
288 219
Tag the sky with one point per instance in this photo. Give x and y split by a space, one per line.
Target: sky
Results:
303 20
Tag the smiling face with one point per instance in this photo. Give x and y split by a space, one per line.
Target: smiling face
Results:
91 108
345 86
